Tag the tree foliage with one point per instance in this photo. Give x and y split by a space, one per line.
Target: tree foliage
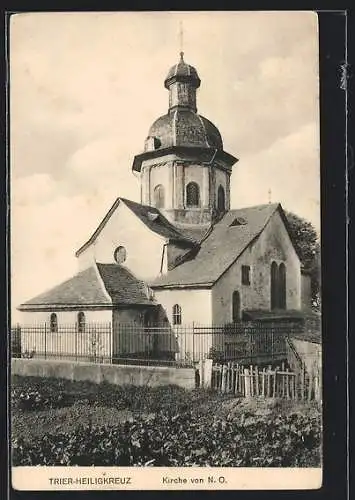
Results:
306 241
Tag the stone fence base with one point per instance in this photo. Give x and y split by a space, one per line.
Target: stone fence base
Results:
152 376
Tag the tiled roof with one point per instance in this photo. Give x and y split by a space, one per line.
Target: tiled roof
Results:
82 289
93 287
196 233
159 225
184 127
220 248
182 69
122 285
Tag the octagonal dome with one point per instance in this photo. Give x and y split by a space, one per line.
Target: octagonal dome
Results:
182 71
185 128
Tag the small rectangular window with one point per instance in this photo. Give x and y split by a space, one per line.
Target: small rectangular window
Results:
245 275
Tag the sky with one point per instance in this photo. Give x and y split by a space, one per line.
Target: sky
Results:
85 88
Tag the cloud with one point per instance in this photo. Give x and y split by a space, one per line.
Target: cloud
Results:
34 189
85 89
103 166
289 168
259 76
44 237
274 100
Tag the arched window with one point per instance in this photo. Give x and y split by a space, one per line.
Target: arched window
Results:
192 195
235 307
81 322
159 196
176 314
54 323
274 285
278 286
282 286
221 199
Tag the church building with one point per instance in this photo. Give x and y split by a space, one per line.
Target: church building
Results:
180 255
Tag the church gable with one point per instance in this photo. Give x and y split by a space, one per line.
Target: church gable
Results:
246 284
275 241
275 253
118 239
123 238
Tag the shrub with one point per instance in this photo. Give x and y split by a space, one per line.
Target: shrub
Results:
39 394
173 427
186 439
217 355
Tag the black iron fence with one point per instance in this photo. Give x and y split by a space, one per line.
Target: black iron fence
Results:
183 345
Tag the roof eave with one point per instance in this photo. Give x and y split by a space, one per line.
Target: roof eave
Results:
211 154
181 285
182 78
99 228
287 227
62 307
227 158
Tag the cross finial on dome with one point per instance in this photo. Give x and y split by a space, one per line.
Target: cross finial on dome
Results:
181 41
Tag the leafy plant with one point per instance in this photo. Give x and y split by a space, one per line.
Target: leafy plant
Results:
183 439
29 393
170 426
216 354
28 354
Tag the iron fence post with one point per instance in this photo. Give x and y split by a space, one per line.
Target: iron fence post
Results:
272 344
45 340
111 334
16 344
76 343
193 342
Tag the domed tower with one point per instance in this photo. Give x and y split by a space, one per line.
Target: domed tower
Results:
184 170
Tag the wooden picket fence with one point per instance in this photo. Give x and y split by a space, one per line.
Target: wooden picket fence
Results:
267 382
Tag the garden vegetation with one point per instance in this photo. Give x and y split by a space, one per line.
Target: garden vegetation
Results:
58 422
